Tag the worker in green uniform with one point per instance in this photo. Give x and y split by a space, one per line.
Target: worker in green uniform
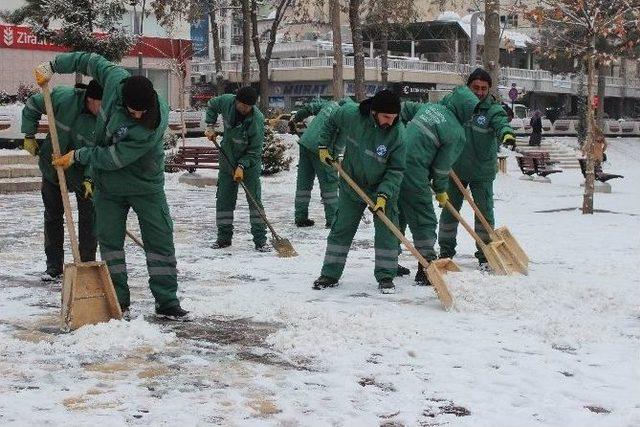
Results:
476 166
242 142
310 166
127 165
374 157
75 111
434 138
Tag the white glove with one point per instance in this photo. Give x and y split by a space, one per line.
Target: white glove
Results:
43 73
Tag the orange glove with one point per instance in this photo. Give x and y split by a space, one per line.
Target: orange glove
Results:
210 133
238 175
65 161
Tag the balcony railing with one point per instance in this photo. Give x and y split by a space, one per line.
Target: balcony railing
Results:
531 80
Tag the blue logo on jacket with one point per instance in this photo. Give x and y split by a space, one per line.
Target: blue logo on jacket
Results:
481 120
381 150
119 134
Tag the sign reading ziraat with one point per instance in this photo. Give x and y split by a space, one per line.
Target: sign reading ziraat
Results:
17 37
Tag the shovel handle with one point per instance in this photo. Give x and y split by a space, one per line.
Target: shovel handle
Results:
465 224
135 239
390 225
248 193
62 182
469 199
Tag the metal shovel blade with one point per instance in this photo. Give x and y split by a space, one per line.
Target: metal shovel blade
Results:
88 296
503 233
284 248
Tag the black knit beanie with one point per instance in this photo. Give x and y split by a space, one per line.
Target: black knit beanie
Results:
138 93
94 90
479 74
386 102
247 95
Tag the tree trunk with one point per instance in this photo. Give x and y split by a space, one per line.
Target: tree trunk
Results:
246 43
263 66
217 53
587 201
384 57
491 54
602 85
338 79
358 49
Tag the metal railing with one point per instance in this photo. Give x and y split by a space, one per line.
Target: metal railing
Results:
538 80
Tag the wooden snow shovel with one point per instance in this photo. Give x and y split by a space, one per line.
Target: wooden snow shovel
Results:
498 256
434 270
501 234
88 296
282 246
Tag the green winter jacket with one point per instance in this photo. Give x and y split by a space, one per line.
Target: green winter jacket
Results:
242 142
408 110
435 136
75 125
322 109
484 136
128 158
373 157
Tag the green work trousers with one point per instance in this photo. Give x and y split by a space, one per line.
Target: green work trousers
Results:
310 166
416 211
482 193
226 196
344 229
156 227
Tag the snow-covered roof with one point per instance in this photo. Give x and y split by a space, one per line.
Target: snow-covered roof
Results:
519 39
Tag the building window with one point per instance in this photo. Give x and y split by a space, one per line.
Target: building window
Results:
510 20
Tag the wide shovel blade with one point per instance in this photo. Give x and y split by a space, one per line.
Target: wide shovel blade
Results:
283 247
503 233
88 296
435 273
501 260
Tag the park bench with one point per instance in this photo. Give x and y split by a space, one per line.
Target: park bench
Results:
526 165
543 163
193 158
597 169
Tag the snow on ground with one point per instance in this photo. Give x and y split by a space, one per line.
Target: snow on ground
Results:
556 348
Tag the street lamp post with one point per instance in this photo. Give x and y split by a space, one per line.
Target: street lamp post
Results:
138 28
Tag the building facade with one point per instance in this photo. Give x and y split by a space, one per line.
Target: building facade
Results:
161 53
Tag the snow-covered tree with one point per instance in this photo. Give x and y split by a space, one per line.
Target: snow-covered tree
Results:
596 32
280 8
84 25
274 153
582 109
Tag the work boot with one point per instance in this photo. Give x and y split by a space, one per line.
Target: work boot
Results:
324 282
305 223
219 244
402 271
483 267
51 275
386 286
421 278
173 313
263 247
